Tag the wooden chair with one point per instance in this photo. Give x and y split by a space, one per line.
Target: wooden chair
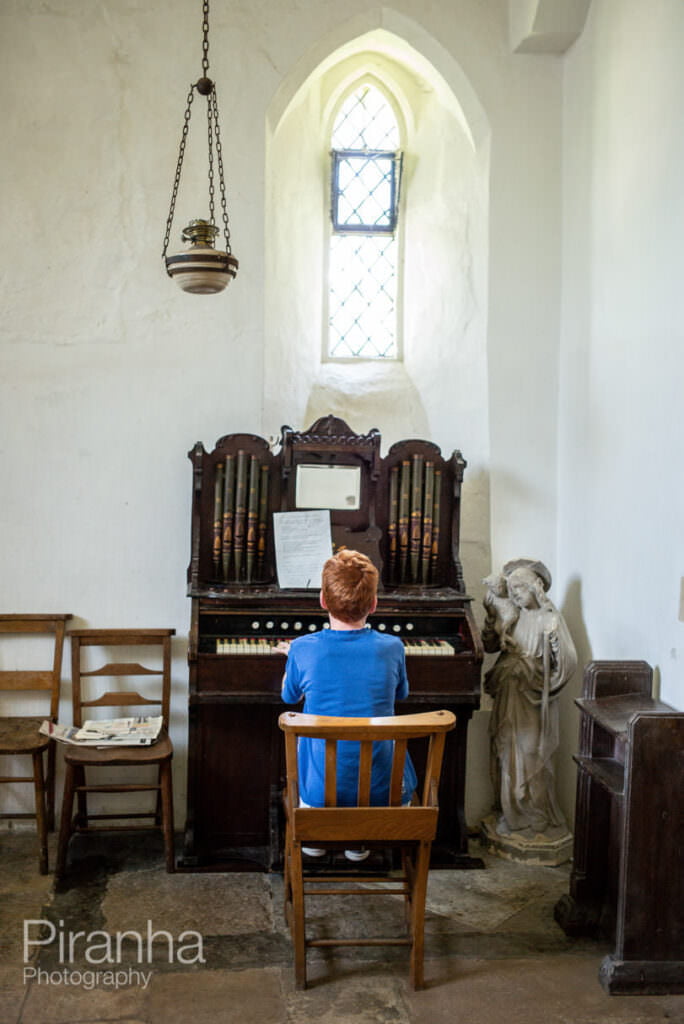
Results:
78 760
411 828
19 733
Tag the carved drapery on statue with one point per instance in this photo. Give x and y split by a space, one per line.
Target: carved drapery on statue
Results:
536 659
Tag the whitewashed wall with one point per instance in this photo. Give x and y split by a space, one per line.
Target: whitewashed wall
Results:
109 374
621 491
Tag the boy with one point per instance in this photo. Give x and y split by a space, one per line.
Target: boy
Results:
351 671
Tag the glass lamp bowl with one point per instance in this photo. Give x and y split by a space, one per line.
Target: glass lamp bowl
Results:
201 269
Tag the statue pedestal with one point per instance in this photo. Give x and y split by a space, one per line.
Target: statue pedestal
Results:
549 850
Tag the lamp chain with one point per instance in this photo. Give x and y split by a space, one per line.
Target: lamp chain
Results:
222 181
179 168
205 40
210 140
207 88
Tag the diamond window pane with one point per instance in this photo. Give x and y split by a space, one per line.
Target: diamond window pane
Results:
365 193
362 297
365 121
362 314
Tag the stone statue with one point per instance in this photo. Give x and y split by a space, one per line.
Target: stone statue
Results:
537 658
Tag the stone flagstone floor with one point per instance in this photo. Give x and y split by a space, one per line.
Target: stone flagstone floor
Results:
493 949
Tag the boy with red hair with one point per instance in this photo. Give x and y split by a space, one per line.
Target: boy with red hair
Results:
348 670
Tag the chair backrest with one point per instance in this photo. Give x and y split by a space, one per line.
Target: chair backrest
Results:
364 821
36 679
107 638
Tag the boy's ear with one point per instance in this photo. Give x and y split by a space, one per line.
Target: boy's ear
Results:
322 601
374 605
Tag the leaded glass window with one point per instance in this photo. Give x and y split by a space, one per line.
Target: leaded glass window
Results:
363 266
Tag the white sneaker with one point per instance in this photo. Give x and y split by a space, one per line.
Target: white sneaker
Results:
356 855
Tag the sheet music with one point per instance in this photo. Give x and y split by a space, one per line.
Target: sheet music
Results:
303 542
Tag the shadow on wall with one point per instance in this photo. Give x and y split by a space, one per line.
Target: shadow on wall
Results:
573 615
369 394
475 545
566 771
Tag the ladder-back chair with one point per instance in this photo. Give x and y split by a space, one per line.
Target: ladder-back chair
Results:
19 734
409 827
79 760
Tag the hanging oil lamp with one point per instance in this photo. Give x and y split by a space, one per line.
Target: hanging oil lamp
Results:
202 269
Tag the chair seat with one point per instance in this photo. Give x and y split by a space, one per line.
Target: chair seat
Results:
154 754
20 735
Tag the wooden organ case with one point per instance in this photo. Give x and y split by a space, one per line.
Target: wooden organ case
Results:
403 511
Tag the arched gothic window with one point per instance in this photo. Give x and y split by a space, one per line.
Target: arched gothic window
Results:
363 278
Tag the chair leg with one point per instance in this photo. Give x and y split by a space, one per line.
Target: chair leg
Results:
298 916
41 822
166 783
418 895
81 797
65 827
158 810
50 787
287 877
407 870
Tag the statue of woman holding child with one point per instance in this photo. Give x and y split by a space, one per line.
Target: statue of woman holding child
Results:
537 658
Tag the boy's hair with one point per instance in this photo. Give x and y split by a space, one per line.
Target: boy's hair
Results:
349 585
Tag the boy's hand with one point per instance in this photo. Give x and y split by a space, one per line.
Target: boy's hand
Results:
283 647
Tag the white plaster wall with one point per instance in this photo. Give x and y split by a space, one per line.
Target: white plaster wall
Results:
621 492
109 373
439 389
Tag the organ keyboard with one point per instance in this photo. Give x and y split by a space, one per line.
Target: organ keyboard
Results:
264 646
405 515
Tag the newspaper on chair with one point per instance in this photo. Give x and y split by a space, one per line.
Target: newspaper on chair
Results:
108 732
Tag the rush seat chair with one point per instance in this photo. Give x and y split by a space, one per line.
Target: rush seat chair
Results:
79 761
19 735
